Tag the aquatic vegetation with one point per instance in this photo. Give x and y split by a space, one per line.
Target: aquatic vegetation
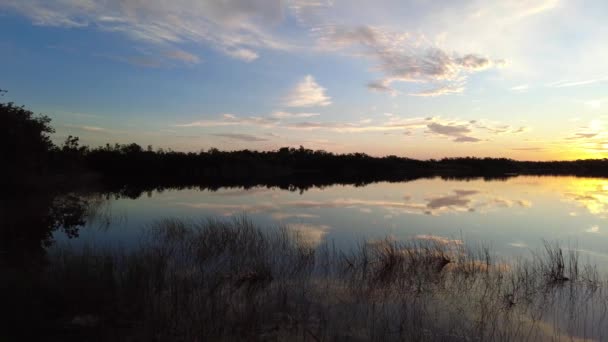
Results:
229 279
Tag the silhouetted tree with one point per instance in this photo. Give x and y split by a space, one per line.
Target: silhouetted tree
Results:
26 149
25 143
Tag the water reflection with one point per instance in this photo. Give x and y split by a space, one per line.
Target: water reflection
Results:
514 214
458 201
311 235
29 222
591 194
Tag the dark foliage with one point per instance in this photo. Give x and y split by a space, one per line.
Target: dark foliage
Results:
25 143
27 224
130 170
29 156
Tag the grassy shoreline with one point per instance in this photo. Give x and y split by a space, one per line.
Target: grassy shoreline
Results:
231 280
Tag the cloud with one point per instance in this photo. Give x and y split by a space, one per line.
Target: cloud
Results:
235 28
283 216
246 55
593 229
497 127
567 84
306 11
459 199
466 139
381 86
393 123
442 90
307 93
404 57
256 191
92 128
230 209
590 195
594 104
520 88
146 60
233 120
583 136
417 208
86 128
531 149
183 56
593 133
288 115
310 235
538 7
438 239
473 62
242 137
458 132
521 129
274 135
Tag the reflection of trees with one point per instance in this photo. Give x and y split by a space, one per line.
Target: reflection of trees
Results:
69 213
133 189
28 222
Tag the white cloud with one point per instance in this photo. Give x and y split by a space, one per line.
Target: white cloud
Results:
93 128
458 201
520 88
458 130
537 7
438 239
568 84
183 56
307 93
233 120
309 234
86 128
404 57
246 55
441 90
593 229
236 28
230 209
288 115
280 216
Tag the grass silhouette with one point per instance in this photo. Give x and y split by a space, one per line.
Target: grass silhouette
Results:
229 280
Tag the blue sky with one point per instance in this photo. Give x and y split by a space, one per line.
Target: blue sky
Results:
425 79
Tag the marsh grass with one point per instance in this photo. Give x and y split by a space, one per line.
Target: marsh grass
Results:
230 280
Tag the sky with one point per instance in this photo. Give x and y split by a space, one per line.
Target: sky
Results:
416 78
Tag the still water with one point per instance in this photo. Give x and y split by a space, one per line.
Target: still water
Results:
512 216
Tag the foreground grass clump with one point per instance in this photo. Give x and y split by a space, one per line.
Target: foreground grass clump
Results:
229 280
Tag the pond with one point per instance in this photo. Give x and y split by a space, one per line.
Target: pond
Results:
512 216
76 256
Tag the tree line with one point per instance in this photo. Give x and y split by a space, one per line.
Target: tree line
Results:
30 157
